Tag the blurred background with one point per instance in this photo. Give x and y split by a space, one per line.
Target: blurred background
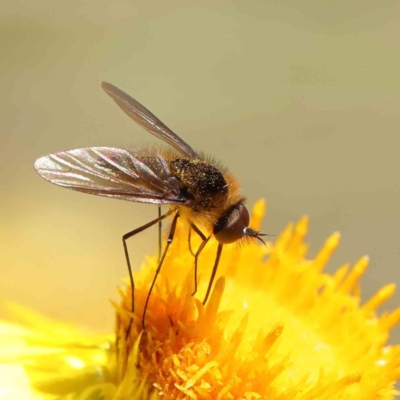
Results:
300 99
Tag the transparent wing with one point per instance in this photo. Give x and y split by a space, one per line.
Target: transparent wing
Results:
112 172
148 120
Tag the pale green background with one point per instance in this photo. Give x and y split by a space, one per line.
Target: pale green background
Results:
300 99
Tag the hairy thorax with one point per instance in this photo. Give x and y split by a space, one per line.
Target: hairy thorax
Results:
201 183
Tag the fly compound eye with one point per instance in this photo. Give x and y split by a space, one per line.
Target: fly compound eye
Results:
232 225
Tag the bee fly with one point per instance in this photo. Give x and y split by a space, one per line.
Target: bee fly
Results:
196 189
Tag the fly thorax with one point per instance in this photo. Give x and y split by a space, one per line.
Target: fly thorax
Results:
201 183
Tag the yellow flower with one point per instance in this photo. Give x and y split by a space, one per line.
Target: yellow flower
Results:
275 327
45 359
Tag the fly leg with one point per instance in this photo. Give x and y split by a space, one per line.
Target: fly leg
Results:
214 271
196 256
190 241
160 263
159 232
124 239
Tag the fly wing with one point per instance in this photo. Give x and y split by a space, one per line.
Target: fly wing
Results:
112 172
148 120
